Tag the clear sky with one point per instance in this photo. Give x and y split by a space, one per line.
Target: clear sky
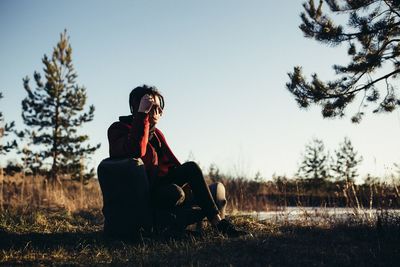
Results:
221 65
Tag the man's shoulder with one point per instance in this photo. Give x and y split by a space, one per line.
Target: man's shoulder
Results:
118 127
122 123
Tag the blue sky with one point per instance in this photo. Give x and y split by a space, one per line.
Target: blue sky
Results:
221 65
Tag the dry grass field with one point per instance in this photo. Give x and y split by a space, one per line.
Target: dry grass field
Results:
44 224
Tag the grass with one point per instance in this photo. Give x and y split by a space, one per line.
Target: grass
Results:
49 237
41 224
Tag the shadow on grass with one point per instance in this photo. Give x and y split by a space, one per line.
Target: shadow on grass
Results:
48 240
286 246
302 246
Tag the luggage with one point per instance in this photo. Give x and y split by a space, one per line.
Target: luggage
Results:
126 198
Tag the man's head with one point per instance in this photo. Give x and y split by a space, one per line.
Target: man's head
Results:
136 95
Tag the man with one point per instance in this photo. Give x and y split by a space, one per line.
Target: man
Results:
171 183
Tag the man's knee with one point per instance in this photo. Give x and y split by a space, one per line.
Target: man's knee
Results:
191 167
169 196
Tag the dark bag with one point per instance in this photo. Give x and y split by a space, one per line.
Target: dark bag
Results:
126 198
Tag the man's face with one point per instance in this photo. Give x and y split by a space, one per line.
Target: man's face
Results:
155 112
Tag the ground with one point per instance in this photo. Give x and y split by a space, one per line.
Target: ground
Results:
62 238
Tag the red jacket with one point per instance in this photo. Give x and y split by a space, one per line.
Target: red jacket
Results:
128 137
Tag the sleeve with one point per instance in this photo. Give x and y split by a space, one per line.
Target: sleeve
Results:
129 141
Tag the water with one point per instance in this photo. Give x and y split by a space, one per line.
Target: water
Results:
291 214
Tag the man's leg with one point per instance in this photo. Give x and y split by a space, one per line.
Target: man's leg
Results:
190 173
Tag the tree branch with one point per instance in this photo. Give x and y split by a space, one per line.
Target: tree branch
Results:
391 8
366 85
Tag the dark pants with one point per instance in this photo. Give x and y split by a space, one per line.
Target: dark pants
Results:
168 192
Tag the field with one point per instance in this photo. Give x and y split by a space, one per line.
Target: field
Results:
61 238
47 225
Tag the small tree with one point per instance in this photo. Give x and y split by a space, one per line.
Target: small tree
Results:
55 109
372 34
314 167
345 169
257 185
5 130
214 173
346 162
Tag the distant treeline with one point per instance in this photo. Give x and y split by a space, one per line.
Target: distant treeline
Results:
282 192
31 192
321 180
259 194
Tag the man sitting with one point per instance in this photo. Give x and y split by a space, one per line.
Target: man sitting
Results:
172 185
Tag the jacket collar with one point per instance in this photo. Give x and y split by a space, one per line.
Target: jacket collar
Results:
126 119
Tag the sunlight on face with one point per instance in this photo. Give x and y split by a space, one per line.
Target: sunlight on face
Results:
156 112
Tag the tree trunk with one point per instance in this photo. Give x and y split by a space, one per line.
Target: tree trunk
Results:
1 188
54 168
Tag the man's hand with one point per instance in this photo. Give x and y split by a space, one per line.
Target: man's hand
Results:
146 103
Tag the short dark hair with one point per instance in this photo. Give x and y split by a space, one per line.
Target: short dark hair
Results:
138 92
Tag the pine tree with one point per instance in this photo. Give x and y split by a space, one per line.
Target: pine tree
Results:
214 173
5 130
55 112
345 168
372 35
346 162
314 167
